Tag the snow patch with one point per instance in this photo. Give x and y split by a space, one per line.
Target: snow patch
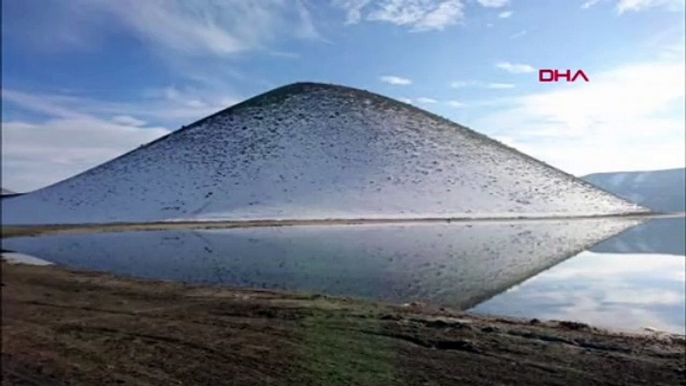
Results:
20 258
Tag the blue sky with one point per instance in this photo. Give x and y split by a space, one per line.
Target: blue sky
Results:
86 80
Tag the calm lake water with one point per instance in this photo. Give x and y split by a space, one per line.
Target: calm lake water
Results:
543 269
634 280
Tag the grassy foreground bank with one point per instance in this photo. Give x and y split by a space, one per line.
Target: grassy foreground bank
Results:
84 328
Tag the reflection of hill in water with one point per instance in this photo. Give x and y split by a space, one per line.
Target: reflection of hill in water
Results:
664 236
457 264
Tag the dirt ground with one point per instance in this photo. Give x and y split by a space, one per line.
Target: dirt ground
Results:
62 327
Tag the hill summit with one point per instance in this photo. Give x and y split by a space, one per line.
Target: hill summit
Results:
315 151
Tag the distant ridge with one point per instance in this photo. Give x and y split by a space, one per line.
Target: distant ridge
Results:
311 150
659 190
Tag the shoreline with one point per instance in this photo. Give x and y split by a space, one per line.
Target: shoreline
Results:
87 327
41 230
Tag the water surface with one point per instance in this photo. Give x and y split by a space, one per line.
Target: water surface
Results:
459 265
632 281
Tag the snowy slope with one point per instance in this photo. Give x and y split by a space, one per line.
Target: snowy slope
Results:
315 151
660 190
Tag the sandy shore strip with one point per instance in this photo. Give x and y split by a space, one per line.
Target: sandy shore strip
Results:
40 230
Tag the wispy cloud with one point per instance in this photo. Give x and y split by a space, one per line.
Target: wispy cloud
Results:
588 4
128 120
494 3
353 9
515 68
183 27
623 6
673 52
505 15
426 100
455 104
458 84
305 28
69 134
500 86
518 34
285 54
473 83
173 103
418 15
395 80
641 5
66 143
431 101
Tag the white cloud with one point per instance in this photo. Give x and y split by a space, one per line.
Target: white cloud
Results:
426 100
128 120
626 118
641 5
458 84
446 14
285 54
500 86
180 26
353 9
395 80
418 15
405 100
505 15
81 133
38 154
637 90
673 52
174 105
304 27
493 3
173 94
606 265
461 84
515 68
602 289
588 4
518 34
455 104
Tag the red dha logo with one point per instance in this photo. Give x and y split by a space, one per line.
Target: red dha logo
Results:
555 75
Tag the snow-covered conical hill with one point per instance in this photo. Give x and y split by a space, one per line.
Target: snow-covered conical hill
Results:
315 151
